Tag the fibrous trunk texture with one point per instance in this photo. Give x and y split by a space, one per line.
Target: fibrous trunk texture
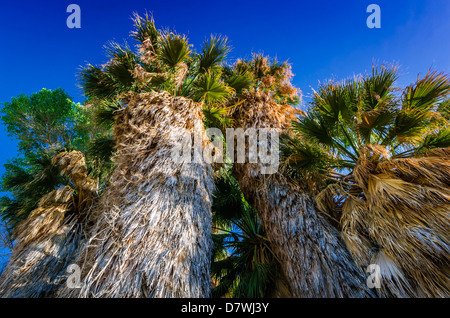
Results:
49 239
401 222
311 252
153 234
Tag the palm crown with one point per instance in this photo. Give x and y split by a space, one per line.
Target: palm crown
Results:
346 116
164 61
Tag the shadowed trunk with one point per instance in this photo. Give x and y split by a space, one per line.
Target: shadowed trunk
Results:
153 234
49 239
311 252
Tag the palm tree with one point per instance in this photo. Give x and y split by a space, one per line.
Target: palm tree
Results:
312 255
153 234
48 239
385 161
51 191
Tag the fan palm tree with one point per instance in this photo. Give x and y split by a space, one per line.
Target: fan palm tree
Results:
52 191
48 239
312 255
153 234
385 161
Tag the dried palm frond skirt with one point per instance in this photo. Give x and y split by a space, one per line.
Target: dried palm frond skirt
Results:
49 239
153 233
312 253
401 221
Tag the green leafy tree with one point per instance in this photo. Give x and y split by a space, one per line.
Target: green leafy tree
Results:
46 120
44 124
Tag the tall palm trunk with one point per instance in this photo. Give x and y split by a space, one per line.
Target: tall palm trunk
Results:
50 237
311 252
153 234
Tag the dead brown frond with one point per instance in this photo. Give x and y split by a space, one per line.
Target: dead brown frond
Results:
401 221
263 113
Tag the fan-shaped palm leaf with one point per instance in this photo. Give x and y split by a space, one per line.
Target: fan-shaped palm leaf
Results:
175 49
210 89
214 52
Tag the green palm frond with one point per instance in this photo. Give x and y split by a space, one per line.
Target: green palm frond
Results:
348 114
214 52
444 110
95 83
439 139
238 80
174 49
10 212
15 176
226 274
250 270
121 63
409 126
105 111
210 89
378 86
332 103
27 180
254 284
228 203
243 263
216 118
426 92
114 77
314 126
373 124
102 148
305 156
145 29
45 174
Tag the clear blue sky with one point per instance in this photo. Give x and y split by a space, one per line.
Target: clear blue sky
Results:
320 38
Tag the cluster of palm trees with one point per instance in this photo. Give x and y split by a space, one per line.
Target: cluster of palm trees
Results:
365 179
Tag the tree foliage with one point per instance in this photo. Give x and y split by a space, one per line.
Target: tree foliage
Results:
46 123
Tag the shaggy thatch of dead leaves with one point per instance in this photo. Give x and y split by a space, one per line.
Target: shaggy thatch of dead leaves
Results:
153 234
311 252
49 239
400 221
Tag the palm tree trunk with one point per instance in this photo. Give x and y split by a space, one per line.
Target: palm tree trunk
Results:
311 252
153 234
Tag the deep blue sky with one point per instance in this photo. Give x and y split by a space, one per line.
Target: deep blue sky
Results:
320 38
